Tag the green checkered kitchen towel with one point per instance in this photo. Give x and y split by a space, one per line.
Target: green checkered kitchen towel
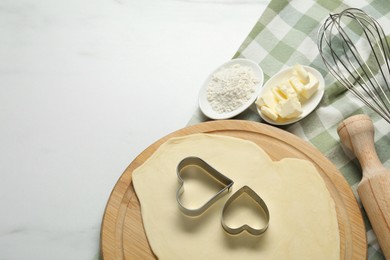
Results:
286 34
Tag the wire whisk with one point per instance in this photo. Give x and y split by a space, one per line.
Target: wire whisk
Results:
355 50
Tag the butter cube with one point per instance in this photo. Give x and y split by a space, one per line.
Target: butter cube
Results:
311 87
267 99
289 108
301 73
296 84
268 112
279 95
288 91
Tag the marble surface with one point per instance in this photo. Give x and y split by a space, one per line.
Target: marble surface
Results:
85 86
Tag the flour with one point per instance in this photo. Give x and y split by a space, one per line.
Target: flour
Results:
231 87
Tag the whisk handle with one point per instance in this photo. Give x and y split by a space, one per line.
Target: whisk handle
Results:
357 134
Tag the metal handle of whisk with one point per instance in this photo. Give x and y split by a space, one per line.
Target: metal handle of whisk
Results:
356 52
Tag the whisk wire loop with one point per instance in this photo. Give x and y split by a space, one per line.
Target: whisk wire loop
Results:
356 52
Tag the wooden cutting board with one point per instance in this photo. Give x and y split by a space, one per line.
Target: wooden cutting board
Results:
122 231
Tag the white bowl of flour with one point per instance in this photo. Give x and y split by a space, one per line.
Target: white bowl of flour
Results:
230 89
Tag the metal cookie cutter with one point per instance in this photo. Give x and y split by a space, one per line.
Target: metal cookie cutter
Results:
217 176
249 229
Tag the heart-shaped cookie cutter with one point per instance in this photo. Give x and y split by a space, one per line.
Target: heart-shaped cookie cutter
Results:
217 176
253 231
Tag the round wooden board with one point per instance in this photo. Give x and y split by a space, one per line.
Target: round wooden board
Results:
122 231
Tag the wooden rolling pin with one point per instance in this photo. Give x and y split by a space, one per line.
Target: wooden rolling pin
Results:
357 134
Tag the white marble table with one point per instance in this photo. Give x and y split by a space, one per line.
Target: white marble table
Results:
85 86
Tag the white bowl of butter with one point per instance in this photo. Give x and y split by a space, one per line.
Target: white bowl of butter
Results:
290 95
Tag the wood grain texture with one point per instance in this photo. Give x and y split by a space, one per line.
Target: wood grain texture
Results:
357 133
122 232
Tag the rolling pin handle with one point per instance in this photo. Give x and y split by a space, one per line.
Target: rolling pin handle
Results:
357 134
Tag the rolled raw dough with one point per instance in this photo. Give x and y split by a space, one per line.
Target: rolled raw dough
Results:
303 220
